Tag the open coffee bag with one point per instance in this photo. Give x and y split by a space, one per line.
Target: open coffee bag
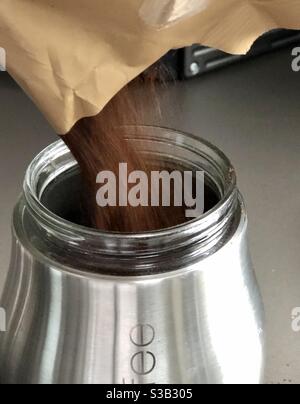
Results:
73 56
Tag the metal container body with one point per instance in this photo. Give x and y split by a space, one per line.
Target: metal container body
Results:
177 306
200 325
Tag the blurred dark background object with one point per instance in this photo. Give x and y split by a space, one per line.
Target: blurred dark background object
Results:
196 60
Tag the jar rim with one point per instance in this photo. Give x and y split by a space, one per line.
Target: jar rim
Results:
150 239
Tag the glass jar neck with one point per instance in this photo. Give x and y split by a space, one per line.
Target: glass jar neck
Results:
76 246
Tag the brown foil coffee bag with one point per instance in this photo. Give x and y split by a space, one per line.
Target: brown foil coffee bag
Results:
73 56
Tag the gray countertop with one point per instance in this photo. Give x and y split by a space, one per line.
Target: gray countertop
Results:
249 110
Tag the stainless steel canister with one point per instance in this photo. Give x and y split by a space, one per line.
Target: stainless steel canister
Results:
180 305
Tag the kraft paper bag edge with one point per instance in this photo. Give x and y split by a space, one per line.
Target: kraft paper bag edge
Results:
71 74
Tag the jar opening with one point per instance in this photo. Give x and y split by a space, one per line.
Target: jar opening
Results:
64 198
52 194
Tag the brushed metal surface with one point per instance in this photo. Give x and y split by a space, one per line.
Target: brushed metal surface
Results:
202 324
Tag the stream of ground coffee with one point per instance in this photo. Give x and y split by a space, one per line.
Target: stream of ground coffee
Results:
99 144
